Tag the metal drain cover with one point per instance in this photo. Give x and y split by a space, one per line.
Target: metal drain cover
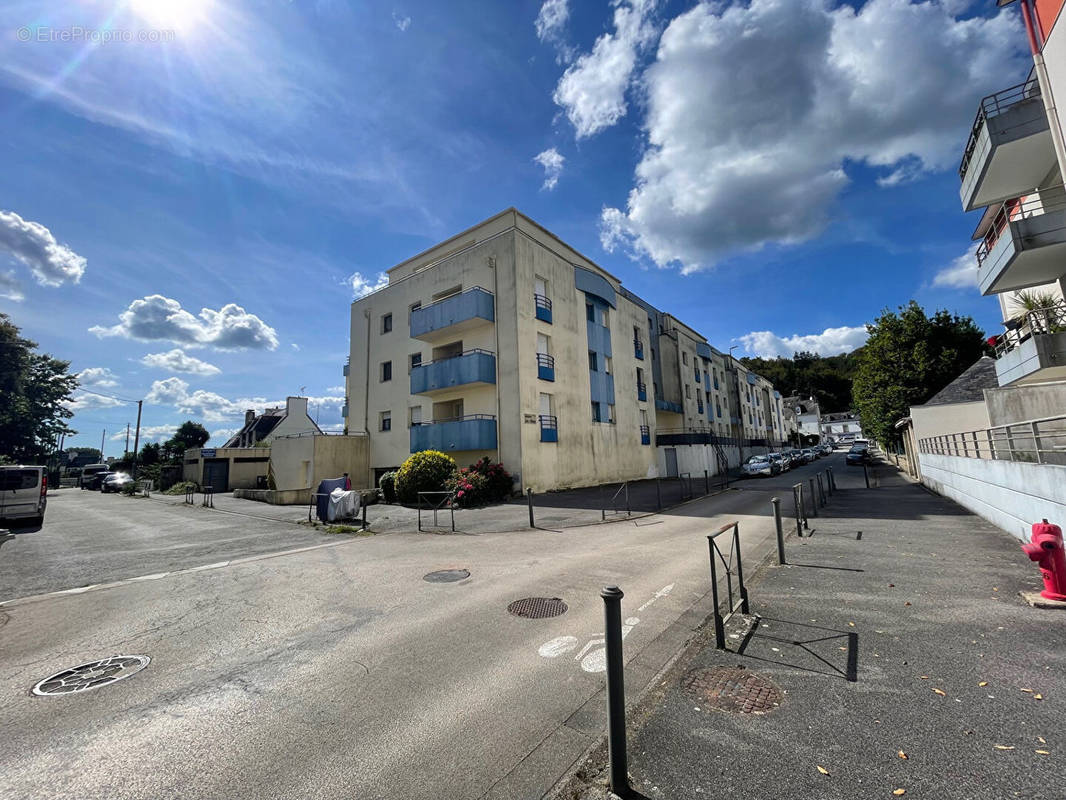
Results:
537 607
733 689
447 576
93 675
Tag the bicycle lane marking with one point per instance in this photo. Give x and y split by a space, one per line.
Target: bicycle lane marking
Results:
593 656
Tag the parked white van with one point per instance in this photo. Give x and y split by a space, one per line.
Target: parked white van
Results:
23 493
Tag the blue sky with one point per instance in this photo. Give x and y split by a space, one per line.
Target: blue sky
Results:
194 190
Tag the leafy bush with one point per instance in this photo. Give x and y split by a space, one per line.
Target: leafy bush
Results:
480 483
130 489
181 487
387 484
426 471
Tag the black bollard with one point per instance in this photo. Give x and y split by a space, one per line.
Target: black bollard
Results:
529 500
776 503
616 695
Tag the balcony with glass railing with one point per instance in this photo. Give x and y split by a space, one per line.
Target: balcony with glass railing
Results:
1033 348
1023 242
1009 149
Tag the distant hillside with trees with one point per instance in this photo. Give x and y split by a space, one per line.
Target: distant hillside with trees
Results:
827 378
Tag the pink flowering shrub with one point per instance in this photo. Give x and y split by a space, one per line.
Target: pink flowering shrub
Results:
480 483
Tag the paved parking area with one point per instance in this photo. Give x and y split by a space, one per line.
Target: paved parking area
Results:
90 538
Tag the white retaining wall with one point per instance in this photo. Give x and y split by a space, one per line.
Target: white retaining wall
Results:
1010 494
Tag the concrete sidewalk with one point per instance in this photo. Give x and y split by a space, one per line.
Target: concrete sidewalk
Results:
906 661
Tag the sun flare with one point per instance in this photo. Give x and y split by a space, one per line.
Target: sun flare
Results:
178 15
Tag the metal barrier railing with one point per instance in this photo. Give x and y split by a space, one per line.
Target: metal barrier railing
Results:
612 505
1038 441
444 500
738 600
190 494
1017 209
1037 322
993 106
685 482
209 497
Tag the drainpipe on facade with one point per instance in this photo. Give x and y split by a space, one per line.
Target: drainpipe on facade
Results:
496 330
1035 45
366 391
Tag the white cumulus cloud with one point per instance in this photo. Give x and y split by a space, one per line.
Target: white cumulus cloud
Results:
361 286
402 22
150 433
830 342
551 28
552 161
32 244
97 378
959 274
753 110
156 318
177 360
592 91
85 402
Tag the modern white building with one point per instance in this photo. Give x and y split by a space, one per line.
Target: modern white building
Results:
503 341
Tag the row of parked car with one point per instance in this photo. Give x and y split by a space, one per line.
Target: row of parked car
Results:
776 463
92 477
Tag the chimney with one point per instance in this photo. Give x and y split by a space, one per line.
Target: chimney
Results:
296 406
249 415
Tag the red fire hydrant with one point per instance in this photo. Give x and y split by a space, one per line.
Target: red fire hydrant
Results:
1047 550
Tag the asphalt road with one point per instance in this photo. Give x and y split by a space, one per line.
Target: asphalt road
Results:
338 671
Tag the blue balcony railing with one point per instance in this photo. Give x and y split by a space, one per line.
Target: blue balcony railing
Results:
453 314
699 408
472 432
545 367
642 391
645 434
638 349
543 306
549 428
473 366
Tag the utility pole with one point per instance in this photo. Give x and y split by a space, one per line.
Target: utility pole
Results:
102 435
127 439
137 437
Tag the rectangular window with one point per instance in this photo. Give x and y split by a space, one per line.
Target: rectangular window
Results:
540 286
636 334
596 412
590 312
699 396
697 374
605 319
607 364
543 344
386 421
684 358
386 371
386 323
414 416
416 361
593 361
546 406
610 413
640 376
644 418
688 391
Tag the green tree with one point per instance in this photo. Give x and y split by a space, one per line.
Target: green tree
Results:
33 390
150 454
828 378
84 451
908 358
189 434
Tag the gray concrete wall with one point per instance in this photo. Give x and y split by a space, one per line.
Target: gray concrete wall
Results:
1021 403
1010 494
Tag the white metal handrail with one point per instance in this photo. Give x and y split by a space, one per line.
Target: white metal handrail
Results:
1039 441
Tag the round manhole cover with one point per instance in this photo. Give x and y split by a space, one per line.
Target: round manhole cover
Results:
446 576
537 607
733 689
93 675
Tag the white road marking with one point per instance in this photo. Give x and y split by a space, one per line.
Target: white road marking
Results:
593 656
557 646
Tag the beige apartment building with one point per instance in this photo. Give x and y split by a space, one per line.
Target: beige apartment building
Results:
503 341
